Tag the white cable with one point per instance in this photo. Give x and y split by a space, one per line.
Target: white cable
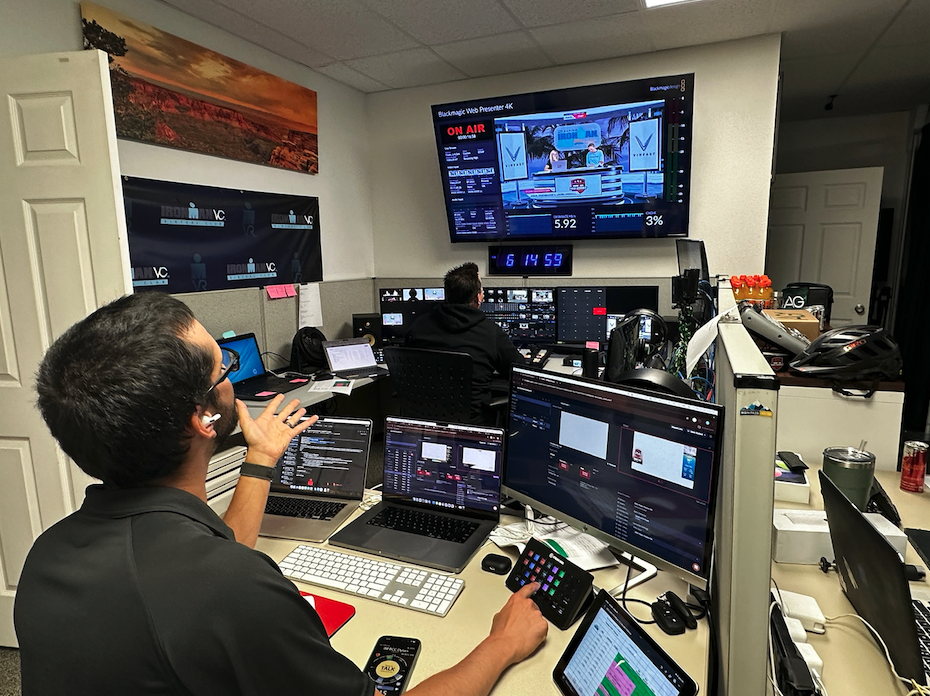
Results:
772 653
917 689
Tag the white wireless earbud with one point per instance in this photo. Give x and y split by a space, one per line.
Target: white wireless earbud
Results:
208 420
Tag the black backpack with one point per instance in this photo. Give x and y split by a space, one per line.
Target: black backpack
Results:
307 350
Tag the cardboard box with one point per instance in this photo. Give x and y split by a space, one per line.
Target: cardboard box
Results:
798 319
803 536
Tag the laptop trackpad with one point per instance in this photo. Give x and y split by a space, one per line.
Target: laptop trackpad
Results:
403 544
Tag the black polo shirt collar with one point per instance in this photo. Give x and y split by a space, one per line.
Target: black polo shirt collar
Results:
100 501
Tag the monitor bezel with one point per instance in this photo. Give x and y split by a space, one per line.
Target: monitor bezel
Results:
700 581
581 97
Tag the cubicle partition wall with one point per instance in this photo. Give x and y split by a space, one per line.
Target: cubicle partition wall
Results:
274 322
748 390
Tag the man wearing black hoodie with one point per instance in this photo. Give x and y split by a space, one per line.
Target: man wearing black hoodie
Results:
459 325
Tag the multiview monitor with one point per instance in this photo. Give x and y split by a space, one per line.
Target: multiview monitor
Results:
637 470
401 306
592 162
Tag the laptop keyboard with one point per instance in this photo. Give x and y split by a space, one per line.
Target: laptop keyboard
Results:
425 524
922 616
391 583
306 509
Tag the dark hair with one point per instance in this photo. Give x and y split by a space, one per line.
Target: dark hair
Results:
118 388
462 284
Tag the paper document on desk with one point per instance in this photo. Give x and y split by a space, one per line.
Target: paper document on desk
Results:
583 550
339 386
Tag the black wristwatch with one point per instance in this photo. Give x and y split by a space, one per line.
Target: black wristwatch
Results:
257 471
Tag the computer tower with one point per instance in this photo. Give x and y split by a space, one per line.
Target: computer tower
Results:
368 326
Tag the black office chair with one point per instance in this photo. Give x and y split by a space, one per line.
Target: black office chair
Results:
435 385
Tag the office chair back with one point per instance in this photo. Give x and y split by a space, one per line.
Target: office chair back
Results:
431 384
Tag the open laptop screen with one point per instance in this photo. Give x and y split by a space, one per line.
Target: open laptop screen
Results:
457 467
329 458
350 354
250 358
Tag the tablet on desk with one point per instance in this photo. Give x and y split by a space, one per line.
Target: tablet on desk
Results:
610 653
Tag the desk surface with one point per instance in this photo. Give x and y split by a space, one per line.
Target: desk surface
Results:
446 640
853 661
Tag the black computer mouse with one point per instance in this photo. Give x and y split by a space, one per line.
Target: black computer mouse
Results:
495 563
320 376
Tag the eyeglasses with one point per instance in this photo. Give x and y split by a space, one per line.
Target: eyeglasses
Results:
230 364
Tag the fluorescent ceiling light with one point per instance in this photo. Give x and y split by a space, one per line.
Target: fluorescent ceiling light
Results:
658 3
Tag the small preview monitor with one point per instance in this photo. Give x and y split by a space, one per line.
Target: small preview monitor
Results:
400 307
636 470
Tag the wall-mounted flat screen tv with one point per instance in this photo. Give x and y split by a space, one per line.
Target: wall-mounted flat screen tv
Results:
594 162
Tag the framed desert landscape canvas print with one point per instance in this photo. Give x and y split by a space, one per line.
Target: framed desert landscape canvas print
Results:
171 92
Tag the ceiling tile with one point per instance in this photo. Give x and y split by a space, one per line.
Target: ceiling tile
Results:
494 55
538 13
413 68
251 30
902 66
694 23
595 39
826 77
343 29
814 28
911 26
437 23
347 76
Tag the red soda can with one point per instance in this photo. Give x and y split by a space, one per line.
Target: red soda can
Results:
913 466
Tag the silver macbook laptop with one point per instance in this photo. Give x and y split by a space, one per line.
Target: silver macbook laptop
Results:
441 494
352 358
319 481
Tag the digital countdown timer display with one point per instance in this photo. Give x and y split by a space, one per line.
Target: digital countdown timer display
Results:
538 260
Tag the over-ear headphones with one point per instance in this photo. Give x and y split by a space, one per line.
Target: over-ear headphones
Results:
208 420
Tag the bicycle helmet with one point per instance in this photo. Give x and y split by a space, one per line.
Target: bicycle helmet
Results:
851 352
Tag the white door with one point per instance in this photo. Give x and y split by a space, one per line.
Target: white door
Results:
822 229
63 252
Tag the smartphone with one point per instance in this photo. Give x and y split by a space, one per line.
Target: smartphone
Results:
391 663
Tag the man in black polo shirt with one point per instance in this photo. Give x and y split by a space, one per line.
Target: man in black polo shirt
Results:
145 590
459 325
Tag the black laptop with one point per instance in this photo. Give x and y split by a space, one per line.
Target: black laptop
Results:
252 381
441 495
871 573
319 481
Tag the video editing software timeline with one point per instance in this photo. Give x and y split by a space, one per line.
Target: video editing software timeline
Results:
329 457
400 306
527 315
587 313
446 466
634 469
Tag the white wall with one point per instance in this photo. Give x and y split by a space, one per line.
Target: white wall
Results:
734 118
44 26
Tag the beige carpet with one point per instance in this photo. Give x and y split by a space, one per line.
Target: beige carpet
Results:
9 672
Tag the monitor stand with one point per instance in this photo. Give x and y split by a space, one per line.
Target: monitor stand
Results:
644 571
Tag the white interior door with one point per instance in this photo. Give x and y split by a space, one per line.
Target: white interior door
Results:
63 252
822 229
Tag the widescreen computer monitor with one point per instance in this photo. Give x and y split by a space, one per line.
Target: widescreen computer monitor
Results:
527 315
401 306
586 313
634 469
